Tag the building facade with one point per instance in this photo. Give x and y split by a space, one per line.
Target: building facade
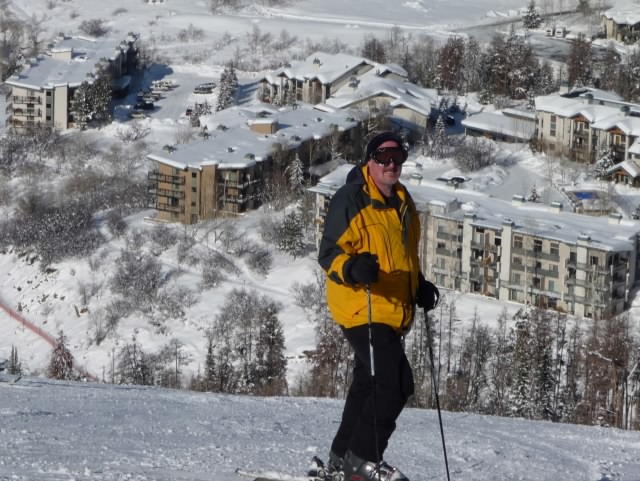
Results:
230 172
516 252
581 125
40 95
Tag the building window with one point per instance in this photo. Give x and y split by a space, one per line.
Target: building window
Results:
552 286
517 242
537 245
552 126
194 175
515 278
517 260
554 249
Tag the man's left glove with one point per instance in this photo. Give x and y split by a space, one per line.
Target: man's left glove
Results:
428 294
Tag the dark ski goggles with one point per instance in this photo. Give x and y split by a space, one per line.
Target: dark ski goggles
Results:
385 155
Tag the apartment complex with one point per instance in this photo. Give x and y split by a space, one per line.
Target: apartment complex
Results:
41 93
226 173
582 123
520 252
347 82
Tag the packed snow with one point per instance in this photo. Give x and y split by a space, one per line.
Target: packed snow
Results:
66 431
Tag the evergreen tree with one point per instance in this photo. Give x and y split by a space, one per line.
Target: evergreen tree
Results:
521 402
471 66
531 18
533 195
61 361
270 363
545 82
439 142
100 96
450 64
606 158
296 175
81 106
134 365
15 366
290 235
542 363
210 373
580 62
502 367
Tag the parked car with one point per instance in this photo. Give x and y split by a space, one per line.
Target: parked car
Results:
205 88
137 114
144 106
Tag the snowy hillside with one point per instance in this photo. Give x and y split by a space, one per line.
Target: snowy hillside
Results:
63 431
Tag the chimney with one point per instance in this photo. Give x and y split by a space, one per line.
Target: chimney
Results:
517 200
624 110
588 98
415 179
556 207
584 238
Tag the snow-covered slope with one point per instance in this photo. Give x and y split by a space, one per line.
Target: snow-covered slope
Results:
55 431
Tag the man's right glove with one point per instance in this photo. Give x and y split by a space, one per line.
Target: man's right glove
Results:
362 269
428 294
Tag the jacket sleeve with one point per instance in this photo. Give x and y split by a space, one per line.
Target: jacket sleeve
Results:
339 240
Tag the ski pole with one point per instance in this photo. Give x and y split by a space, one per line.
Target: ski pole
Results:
435 390
373 375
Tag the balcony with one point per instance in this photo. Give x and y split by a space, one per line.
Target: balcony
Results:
27 112
174 194
26 100
167 179
168 207
581 133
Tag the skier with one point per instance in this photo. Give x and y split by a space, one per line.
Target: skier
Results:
369 250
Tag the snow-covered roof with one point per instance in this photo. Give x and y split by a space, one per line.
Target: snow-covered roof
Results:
604 112
629 166
489 212
371 85
239 147
624 13
495 122
49 71
327 68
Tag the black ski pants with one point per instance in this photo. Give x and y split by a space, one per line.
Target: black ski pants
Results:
393 385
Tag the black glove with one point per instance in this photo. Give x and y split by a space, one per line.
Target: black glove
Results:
428 294
362 269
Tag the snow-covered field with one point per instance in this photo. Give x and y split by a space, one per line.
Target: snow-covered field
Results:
64 431
50 300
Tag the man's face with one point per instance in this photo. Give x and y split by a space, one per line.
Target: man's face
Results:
385 177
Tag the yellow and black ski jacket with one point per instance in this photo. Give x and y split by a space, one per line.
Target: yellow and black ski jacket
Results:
360 220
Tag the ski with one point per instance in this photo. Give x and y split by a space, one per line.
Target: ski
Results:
317 473
271 476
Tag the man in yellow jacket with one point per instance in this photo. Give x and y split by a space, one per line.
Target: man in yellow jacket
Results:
369 250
